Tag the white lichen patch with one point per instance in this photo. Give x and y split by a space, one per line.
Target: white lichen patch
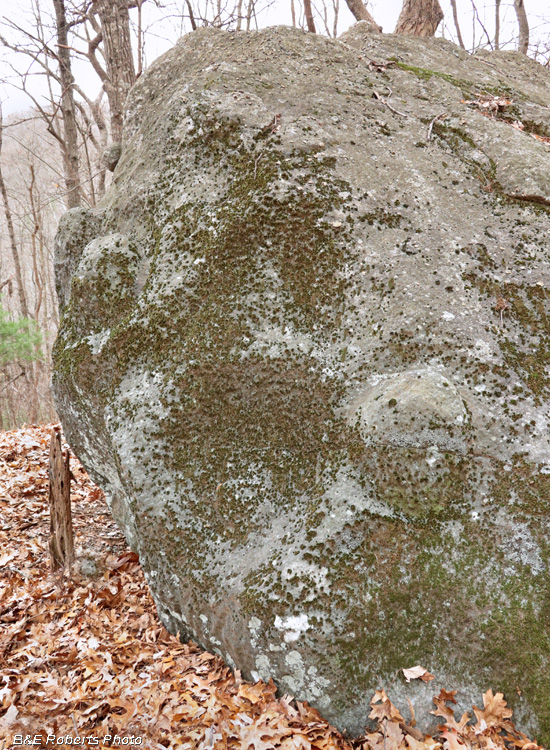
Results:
294 626
263 667
255 627
96 341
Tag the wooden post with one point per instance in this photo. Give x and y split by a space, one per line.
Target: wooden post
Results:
61 523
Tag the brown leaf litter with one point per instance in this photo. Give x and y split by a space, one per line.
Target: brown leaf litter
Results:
85 661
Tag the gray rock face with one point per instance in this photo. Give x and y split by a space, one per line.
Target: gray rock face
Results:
305 350
111 156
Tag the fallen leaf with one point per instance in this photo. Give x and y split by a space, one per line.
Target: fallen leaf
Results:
495 713
418 672
451 740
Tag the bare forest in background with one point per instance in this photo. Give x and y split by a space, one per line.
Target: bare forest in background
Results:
56 152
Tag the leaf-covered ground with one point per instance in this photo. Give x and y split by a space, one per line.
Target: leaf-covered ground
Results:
84 657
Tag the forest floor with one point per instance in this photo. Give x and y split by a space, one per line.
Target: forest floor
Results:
84 659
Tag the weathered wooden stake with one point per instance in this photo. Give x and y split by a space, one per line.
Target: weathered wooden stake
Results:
61 523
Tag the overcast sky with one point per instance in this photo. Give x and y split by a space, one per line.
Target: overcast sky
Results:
164 31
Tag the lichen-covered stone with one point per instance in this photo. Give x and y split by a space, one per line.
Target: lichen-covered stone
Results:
305 350
111 156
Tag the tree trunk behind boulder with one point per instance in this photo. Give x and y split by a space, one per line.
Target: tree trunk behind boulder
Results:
308 11
119 63
523 23
361 14
419 18
68 109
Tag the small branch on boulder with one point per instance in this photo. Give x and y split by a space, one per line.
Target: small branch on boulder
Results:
529 198
376 95
502 305
432 123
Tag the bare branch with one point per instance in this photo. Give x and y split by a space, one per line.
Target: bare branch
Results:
457 25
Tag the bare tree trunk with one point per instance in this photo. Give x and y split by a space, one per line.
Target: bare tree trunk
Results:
457 25
308 10
218 17
497 24
85 135
140 39
101 144
119 63
33 404
361 14
11 233
35 236
419 18
523 23
336 6
61 525
249 13
70 132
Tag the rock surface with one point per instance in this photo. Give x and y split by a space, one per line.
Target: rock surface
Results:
305 349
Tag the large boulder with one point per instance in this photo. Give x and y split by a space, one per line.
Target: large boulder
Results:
305 350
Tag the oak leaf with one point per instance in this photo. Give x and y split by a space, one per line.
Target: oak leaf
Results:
418 672
452 741
296 742
255 693
259 736
447 695
448 714
393 736
427 744
494 714
386 709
